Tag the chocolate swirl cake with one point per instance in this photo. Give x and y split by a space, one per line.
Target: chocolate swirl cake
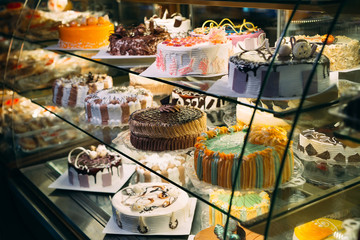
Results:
136 41
166 128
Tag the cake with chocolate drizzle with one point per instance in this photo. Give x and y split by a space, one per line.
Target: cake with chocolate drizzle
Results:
111 107
136 41
151 208
94 167
326 158
71 91
168 127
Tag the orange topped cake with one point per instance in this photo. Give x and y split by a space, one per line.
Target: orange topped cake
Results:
89 33
317 229
217 156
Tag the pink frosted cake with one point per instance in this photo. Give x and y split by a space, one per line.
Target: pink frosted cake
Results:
94 167
245 33
194 55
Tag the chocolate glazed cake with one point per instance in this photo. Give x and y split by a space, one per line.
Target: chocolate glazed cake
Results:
136 41
168 127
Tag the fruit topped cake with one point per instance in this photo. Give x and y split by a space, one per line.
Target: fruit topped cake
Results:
194 55
88 33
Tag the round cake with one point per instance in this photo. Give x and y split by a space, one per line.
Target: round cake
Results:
288 75
168 127
217 156
71 91
114 106
170 166
177 25
326 159
194 55
151 208
217 233
245 33
89 33
245 206
94 167
189 98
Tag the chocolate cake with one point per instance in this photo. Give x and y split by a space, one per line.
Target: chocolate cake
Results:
169 127
353 114
92 167
136 41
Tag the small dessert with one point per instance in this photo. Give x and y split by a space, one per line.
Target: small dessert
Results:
189 98
136 41
177 25
113 106
89 33
71 91
151 208
168 127
288 75
245 206
59 5
156 88
169 166
317 229
194 55
94 167
217 156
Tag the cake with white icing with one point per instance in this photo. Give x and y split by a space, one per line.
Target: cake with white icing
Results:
71 91
194 55
151 208
177 25
245 34
326 158
94 167
343 52
168 165
114 106
189 98
288 76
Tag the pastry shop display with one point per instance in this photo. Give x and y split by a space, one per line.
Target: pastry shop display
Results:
317 229
217 233
72 91
246 34
288 74
245 206
111 107
342 51
156 88
217 156
168 127
151 208
92 167
327 159
194 55
202 101
168 165
36 25
139 40
88 33
177 25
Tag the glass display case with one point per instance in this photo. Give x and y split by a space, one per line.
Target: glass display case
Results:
276 132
